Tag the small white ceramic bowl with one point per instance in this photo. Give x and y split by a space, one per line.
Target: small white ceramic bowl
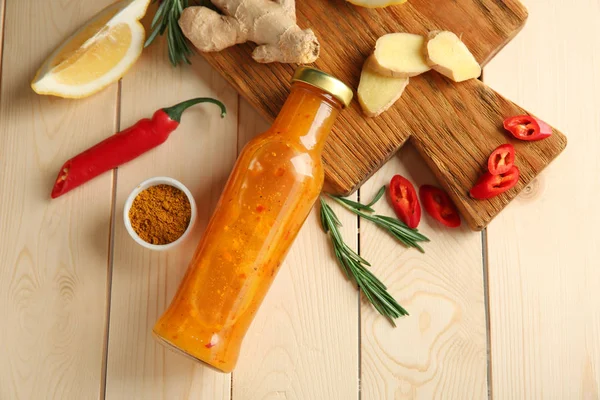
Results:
159 180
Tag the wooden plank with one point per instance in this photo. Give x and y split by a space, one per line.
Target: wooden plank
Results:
200 154
53 273
440 350
303 343
347 33
543 251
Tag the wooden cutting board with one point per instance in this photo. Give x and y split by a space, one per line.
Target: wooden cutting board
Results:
454 126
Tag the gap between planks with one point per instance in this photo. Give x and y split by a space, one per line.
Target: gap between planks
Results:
486 295
111 250
358 249
486 299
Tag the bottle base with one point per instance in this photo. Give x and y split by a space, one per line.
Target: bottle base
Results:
177 350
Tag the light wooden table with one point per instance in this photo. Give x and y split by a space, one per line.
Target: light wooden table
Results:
512 313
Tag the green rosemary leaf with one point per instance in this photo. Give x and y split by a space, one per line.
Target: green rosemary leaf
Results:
159 14
377 197
151 38
171 45
329 213
397 224
354 204
323 219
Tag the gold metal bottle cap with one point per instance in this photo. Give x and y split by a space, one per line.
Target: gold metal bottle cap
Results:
317 78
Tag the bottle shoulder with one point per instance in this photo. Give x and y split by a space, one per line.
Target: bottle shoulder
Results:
272 140
279 154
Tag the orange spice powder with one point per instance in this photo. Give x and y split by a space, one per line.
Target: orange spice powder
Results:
160 214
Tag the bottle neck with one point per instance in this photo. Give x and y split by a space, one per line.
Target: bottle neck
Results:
307 116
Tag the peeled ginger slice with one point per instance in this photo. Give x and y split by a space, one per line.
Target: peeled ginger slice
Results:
400 55
449 56
376 3
377 93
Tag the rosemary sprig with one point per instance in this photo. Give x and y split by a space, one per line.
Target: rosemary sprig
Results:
405 235
166 20
354 266
359 206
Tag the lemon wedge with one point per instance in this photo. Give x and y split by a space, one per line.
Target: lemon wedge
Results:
376 3
98 54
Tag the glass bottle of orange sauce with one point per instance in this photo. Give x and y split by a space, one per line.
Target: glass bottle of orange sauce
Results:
270 192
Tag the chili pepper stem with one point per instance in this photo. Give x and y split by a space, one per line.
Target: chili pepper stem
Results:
175 111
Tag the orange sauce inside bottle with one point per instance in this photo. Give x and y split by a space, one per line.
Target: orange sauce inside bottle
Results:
270 192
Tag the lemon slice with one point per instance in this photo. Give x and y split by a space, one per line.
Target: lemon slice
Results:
376 3
97 55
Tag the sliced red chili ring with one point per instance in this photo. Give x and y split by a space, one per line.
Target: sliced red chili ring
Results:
502 159
545 129
489 185
526 127
403 196
438 204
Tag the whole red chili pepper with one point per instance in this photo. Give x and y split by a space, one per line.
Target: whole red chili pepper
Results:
405 202
526 127
123 146
502 159
489 185
438 204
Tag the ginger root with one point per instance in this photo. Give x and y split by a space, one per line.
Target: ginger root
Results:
271 24
377 93
400 55
449 56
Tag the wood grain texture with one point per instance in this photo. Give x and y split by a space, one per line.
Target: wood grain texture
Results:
53 268
440 350
303 343
543 251
200 154
441 116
